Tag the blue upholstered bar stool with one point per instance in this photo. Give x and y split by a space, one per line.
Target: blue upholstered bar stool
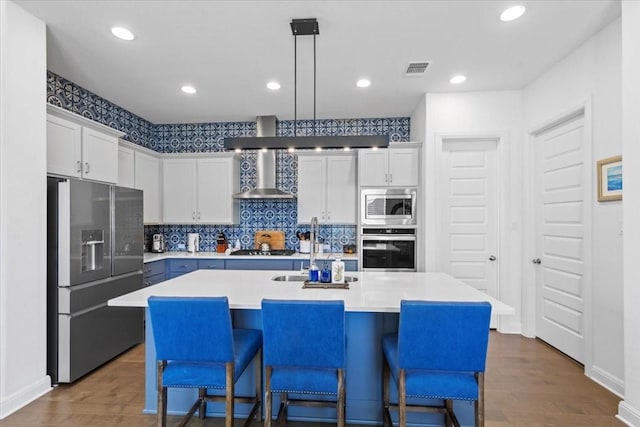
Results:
196 347
304 353
439 352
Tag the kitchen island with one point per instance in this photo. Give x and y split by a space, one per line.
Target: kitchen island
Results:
372 304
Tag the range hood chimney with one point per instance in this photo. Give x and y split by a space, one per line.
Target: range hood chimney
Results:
265 166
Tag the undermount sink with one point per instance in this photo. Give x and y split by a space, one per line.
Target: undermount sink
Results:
302 278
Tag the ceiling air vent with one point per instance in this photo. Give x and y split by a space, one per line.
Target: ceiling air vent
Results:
417 68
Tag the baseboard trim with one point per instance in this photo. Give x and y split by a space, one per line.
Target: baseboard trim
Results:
613 384
23 397
628 414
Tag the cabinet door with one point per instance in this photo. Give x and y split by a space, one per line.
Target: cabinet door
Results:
216 179
373 167
64 147
341 190
179 198
99 156
147 179
403 167
311 188
126 167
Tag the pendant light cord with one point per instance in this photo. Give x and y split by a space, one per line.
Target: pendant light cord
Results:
295 84
314 84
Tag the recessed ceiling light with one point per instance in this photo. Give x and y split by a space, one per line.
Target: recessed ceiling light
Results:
456 80
273 85
514 12
189 89
318 148
363 83
291 150
122 33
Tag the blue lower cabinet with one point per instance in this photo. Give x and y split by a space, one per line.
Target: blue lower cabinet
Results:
178 267
259 264
210 264
153 272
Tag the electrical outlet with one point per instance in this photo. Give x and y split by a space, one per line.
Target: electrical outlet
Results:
181 246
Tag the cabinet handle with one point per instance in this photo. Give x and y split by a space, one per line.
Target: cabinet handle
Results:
193 215
390 178
147 271
328 216
86 167
184 266
79 166
386 177
198 215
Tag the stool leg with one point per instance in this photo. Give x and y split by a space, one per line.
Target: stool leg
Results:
229 395
162 396
402 399
341 398
202 411
480 402
267 397
448 404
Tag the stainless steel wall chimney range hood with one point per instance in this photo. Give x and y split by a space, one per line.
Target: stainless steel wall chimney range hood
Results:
265 166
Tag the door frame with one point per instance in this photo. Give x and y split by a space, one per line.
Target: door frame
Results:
529 272
504 219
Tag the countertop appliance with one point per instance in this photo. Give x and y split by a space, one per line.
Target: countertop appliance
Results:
388 249
157 244
221 243
388 206
94 253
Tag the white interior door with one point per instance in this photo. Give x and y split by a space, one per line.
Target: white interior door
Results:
560 236
469 207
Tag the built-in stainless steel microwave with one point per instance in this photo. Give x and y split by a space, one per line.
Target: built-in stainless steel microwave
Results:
388 206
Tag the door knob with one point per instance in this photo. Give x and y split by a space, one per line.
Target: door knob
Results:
536 261
492 258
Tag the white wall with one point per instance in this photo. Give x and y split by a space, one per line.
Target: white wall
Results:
481 113
23 198
592 73
629 409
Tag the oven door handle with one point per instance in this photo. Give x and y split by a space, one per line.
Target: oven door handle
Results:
370 237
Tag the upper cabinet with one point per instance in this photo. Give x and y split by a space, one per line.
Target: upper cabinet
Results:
81 148
200 190
139 167
327 187
148 179
390 167
126 167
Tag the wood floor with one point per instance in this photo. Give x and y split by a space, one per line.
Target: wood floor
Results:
526 384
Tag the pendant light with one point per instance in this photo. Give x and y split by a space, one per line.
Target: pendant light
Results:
305 27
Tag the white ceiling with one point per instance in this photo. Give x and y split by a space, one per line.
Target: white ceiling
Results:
230 49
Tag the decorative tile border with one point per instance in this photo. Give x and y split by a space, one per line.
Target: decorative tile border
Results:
208 137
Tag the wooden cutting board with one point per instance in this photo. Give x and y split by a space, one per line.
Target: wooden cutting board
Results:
275 238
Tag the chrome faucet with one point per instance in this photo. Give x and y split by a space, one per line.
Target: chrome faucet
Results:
313 230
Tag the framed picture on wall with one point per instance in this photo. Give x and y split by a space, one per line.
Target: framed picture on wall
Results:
610 179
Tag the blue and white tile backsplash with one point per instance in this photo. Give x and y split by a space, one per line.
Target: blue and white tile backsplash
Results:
208 137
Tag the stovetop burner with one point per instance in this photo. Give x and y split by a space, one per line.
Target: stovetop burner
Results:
273 252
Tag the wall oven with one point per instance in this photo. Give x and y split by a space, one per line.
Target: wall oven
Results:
388 249
388 206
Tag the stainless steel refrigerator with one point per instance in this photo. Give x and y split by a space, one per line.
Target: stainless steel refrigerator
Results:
95 235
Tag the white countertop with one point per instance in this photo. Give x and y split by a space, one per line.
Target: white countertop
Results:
373 292
150 256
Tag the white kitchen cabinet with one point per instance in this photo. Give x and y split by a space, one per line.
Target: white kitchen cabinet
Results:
199 190
327 188
390 167
126 167
81 148
147 178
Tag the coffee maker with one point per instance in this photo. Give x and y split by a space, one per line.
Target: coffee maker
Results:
157 243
